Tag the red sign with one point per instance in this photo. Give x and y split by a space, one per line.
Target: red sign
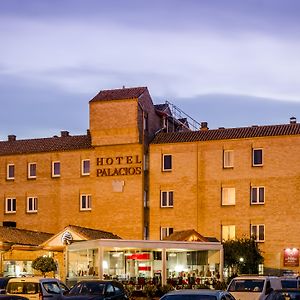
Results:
291 257
144 268
139 256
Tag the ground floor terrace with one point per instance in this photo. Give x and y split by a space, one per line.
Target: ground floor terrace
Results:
142 261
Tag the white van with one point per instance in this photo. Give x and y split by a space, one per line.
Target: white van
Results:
253 287
36 288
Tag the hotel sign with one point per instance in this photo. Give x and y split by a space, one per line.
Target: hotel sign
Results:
119 166
291 257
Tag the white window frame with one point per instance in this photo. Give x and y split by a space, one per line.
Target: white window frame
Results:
7 171
163 163
228 159
30 176
88 202
53 168
169 199
228 232
83 173
227 194
258 188
256 228
165 231
34 204
262 157
13 201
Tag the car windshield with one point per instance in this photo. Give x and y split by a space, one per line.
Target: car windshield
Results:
23 288
190 297
285 295
289 283
88 288
246 285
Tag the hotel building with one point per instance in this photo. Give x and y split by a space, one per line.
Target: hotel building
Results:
143 171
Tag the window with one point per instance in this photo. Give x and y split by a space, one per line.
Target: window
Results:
228 196
85 167
257 157
146 200
165 231
257 195
10 175
32 204
228 159
258 232
10 205
146 122
85 202
167 162
228 232
31 170
55 169
166 199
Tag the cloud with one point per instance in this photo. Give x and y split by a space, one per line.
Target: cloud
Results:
189 62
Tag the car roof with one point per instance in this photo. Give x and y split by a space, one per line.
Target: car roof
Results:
32 279
197 292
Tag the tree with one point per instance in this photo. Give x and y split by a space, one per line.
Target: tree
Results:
242 256
44 264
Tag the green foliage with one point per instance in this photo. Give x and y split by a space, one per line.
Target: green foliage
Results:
44 264
245 248
129 288
150 290
201 286
166 288
219 285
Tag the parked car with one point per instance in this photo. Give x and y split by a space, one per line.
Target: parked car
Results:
97 289
253 287
290 282
3 284
201 294
284 294
12 297
35 288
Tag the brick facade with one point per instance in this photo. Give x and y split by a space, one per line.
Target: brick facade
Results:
126 195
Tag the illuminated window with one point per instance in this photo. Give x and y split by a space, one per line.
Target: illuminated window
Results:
31 170
257 157
10 205
32 204
228 232
167 162
228 196
165 231
257 195
10 174
166 199
258 232
85 202
55 169
228 158
85 167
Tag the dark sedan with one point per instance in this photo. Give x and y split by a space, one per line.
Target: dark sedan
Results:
284 294
97 289
201 294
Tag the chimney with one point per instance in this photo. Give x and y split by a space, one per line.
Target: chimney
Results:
203 126
11 138
64 133
293 120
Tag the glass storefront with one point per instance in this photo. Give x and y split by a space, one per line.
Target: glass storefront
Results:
139 264
17 268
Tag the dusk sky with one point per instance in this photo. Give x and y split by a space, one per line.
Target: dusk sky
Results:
230 63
